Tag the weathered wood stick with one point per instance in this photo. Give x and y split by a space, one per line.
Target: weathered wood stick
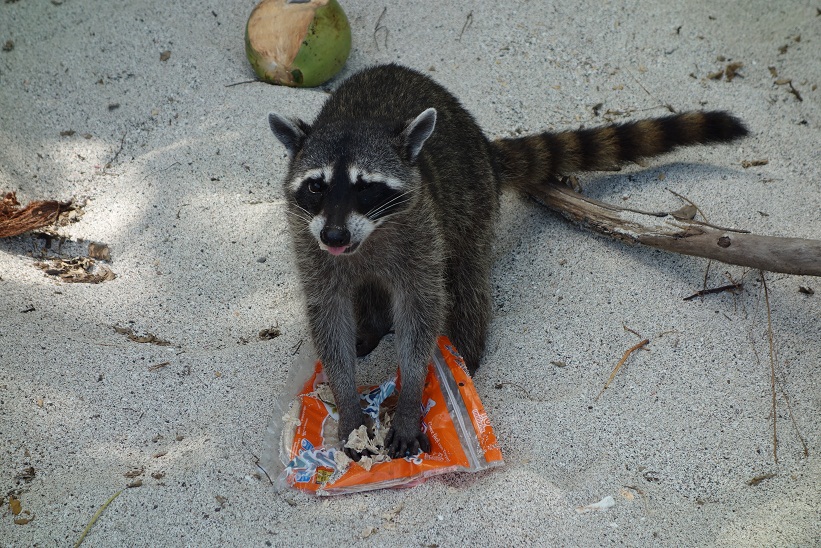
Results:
680 234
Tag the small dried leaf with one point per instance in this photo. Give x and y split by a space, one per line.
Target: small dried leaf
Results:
99 251
731 71
758 479
77 270
164 56
147 338
14 504
270 333
27 474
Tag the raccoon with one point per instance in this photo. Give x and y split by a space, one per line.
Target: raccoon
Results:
392 195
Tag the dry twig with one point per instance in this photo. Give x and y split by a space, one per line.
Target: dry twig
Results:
732 288
623 359
772 364
94 518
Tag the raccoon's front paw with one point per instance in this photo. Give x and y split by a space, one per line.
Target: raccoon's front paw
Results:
349 436
406 441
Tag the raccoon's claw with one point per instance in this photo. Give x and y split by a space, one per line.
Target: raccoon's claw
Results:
355 455
400 445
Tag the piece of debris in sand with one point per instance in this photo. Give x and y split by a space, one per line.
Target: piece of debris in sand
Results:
731 70
15 220
147 338
368 531
394 513
758 479
270 333
603 504
99 251
754 163
14 505
77 270
27 474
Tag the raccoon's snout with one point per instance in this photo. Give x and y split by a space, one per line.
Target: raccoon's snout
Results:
335 236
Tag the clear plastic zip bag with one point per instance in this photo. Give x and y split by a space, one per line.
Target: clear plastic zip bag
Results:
302 452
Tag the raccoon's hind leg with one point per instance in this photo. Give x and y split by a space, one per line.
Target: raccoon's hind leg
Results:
470 311
373 317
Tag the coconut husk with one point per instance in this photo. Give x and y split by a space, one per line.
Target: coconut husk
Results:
15 220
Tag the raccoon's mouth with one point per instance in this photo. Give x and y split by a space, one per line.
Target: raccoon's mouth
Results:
341 250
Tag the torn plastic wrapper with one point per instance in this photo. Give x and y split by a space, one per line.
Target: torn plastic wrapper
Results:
302 452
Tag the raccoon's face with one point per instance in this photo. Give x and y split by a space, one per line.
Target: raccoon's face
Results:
346 179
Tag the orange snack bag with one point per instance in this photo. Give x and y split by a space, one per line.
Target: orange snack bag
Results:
311 458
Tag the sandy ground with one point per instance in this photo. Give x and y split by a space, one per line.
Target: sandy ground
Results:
181 176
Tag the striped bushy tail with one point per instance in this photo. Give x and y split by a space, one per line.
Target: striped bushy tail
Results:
531 160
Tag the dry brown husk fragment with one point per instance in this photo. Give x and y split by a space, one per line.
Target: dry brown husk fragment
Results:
15 220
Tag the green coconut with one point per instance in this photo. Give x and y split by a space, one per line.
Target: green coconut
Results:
298 42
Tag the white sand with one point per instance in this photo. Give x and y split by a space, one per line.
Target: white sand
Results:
191 210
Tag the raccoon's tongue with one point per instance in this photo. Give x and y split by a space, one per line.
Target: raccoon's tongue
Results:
337 250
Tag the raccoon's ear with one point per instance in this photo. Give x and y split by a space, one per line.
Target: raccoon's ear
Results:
291 132
417 132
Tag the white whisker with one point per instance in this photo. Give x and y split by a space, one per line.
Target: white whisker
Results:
393 202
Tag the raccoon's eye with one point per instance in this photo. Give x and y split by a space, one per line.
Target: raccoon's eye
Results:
317 185
361 184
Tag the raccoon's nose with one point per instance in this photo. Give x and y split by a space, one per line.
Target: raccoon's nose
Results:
335 236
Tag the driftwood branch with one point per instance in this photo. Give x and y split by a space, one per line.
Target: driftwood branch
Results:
681 234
